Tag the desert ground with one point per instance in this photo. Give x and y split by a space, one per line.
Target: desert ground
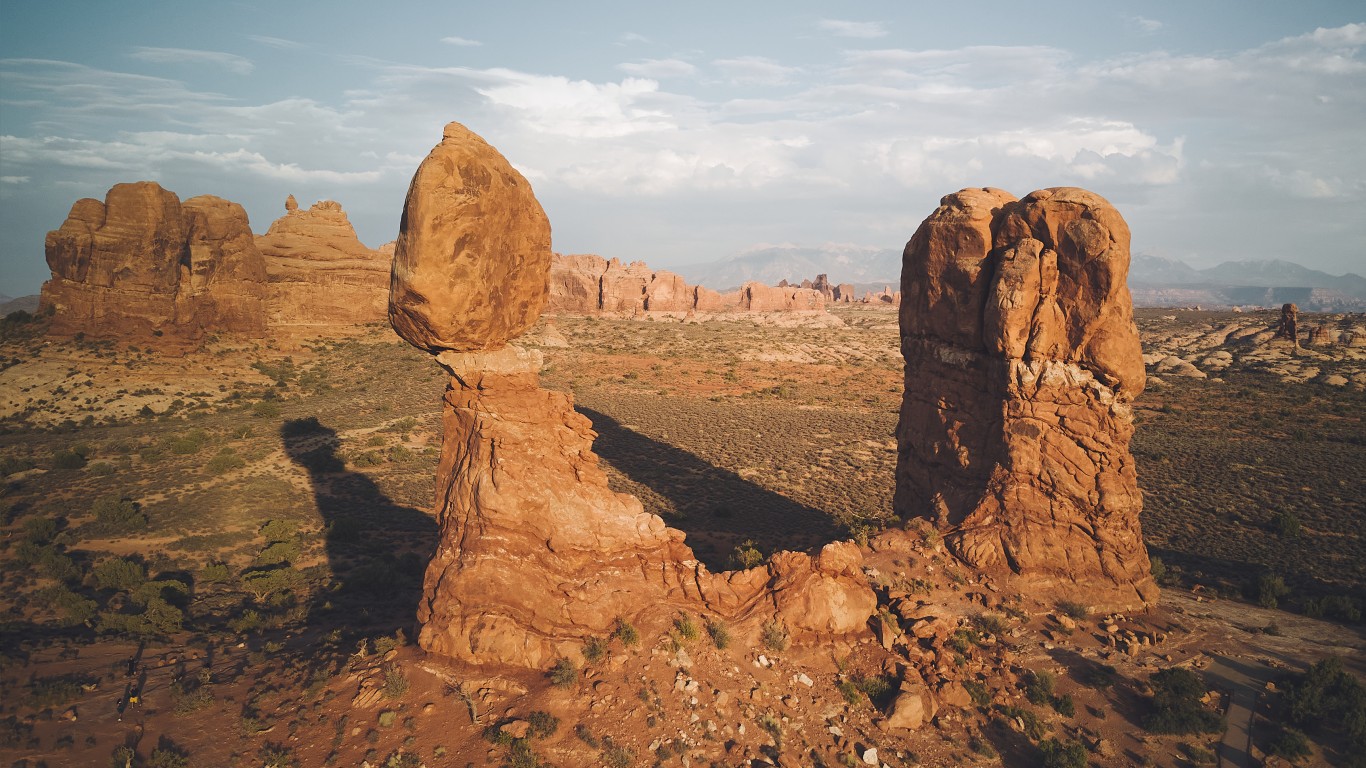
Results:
244 529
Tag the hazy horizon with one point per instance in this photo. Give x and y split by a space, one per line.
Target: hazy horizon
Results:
682 136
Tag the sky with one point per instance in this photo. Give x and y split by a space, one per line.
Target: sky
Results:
681 133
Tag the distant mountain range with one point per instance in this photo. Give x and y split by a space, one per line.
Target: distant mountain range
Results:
10 304
1159 282
1154 281
773 264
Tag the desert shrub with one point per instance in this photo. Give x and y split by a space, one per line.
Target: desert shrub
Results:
49 559
12 464
118 514
594 649
1328 698
191 694
401 759
1064 705
1176 706
263 583
981 697
278 552
720 635
1198 755
1074 609
1034 728
249 621
1039 687
277 756
215 573
189 443
1286 524
67 458
72 608
746 555
616 756
773 636
55 691
101 469
994 623
543 724
1269 590
119 573
878 688
687 628
167 755
40 530
266 409
1058 754
1290 743
122 757
226 460
1340 607
395 682
563 673
626 632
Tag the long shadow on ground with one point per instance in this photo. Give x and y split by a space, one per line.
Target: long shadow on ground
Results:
377 550
717 508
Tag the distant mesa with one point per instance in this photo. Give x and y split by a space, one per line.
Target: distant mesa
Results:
143 265
1022 360
590 284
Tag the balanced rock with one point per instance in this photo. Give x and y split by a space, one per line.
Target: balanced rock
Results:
1022 359
471 265
320 273
536 553
1289 327
142 264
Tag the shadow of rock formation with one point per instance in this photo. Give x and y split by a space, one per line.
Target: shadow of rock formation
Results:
376 549
717 508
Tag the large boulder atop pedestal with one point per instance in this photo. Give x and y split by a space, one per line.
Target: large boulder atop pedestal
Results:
1022 359
473 253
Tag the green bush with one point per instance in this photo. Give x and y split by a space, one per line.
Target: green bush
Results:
118 514
1291 744
1339 607
226 460
1039 687
1328 698
189 443
543 724
774 636
1057 754
266 409
720 635
594 649
687 628
1073 609
215 573
626 632
1176 706
1270 589
70 606
1286 524
279 552
9 465
119 573
746 555
67 459
563 674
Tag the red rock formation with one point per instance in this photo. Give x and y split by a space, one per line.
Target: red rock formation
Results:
141 264
321 276
844 293
536 554
757 297
576 284
473 257
1022 359
1289 327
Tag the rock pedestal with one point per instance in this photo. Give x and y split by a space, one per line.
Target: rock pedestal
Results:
1289 327
1022 359
536 554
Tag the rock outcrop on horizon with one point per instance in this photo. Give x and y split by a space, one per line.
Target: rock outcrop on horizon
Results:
1289 327
589 284
144 264
1022 359
536 553
320 274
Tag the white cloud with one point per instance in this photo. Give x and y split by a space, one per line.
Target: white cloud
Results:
577 108
463 42
859 29
15 179
755 70
231 62
1145 24
632 37
658 68
276 42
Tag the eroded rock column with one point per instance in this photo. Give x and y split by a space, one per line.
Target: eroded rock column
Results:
1022 359
536 554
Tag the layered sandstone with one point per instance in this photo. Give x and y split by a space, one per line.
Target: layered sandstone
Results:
321 275
536 554
143 264
1022 359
